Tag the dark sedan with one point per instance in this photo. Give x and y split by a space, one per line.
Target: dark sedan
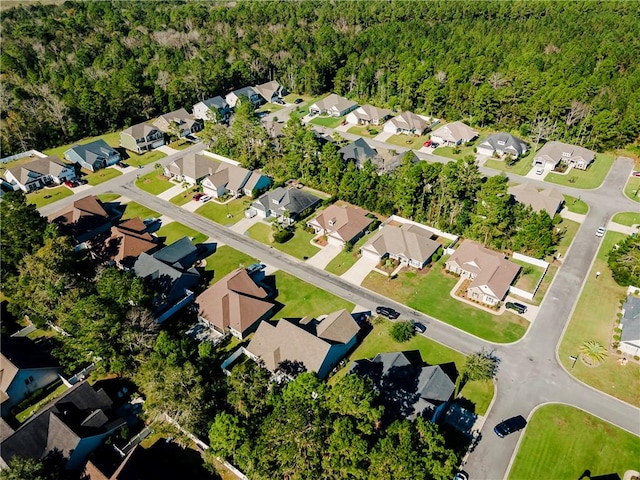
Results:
510 425
387 312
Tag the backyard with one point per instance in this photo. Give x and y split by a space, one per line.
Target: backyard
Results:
632 188
575 205
298 246
302 299
593 319
564 442
529 275
521 167
219 213
408 141
592 177
102 175
133 209
175 231
345 260
627 218
46 196
224 261
429 293
154 183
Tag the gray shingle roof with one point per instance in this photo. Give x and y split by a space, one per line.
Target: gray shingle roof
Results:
631 321
180 254
282 199
358 150
91 152
505 142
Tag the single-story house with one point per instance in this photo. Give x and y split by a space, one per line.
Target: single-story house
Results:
630 324
409 123
141 138
93 156
40 172
191 168
126 242
409 244
358 151
25 366
341 225
234 304
491 273
235 181
246 92
74 424
333 105
271 91
203 110
502 144
552 153
318 344
84 218
454 133
183 121
407 390
286 204
550 199
368 115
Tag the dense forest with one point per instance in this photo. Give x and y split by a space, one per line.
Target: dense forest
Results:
569 69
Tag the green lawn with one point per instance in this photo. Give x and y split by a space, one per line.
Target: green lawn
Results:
175 231
575 205
108 197
184 197
153 183
103 175
563 442
627 218
410 141
529 276
521 167
218 213
429 293
180 144
366 131
345 260
571 230
329 122
46 196
301 298
134 160
112 139
298 246
590 178
449 152
33 408
270 107
632 188
133 209
225 260
379 341
593 319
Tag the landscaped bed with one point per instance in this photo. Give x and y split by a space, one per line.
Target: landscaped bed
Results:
219 213
46 196
153 183
225 260
563 442
175 231
590 178
298 246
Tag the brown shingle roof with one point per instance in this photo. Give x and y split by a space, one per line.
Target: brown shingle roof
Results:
409 240
194 166
337 327
343 222
548 199
86 207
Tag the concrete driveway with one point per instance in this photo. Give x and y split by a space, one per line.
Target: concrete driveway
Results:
324 256
360 270
383 137
245 224
172 192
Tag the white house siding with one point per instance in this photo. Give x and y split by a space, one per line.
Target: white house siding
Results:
485 151
352 119
335 241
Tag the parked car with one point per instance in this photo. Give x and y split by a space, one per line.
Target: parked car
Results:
150 221
419 327
205 198
636 174
600 232
461 476
518 307
69 183
198 196
539 171
510 425
427 143
122 164
81 181
256 267
387 312
298 101
279 101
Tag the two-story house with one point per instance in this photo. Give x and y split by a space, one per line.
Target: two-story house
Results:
179 122
141 138
38 173
93 156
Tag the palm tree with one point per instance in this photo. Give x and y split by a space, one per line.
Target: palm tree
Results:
593 352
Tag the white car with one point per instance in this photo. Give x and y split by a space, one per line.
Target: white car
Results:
205 198
539 171
600 231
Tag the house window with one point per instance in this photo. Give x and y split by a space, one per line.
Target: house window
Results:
566 154
501 142
28 381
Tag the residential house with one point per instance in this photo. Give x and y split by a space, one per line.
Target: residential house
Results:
235 304
550 199
213 109
179 122
93 156
368 115
125 242
271 91
388 160
553 153
170 273
25 366
318 344
407 390
630 325
453 134
39 173
409 244
191 168
141 138
249 93
286 204
385 160
235 181
358 151
84 218
409 123
502 144
490 272
333 105
341 225
74 424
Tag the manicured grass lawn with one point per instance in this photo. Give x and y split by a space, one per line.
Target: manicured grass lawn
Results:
627 218
521 167
409 141
590 178
271 107
153 183
27 412
345 260
562 442
112 139
218 213
593 319
175 231
329 122
135 160
133 209
575 205
429 293
108 197
365 131
184 197
564 243
528 281
379 341
301 298
96 178
298 246
180 144
225 260
632 188
450 151
46 196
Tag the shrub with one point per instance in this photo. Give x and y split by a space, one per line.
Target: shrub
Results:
616 337
636 358
402 331
617 330
281 235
